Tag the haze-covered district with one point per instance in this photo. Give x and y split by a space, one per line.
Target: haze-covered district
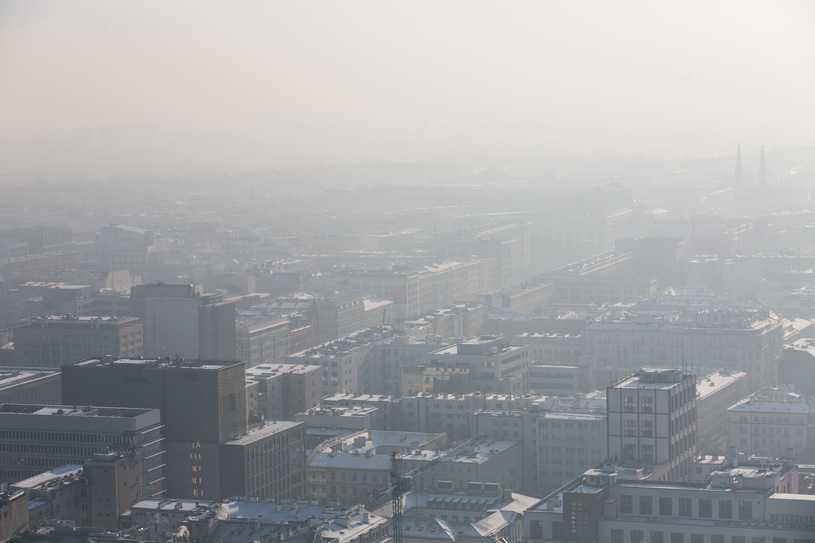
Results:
407 272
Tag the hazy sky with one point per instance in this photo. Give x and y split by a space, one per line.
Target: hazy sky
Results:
164 86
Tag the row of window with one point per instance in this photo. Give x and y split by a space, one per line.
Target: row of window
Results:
639 536
684 507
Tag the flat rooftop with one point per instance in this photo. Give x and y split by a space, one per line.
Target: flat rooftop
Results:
716 381
55 474
87 320
162 363
14 377
345 344
653 379
262 432
273 370
72 411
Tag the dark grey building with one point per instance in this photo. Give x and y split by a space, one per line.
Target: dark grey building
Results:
203 404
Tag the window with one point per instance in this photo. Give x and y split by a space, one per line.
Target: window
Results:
779 540
677 537
758 540
646 506
717 538
684 507
705 509
697 538
725 510
657 537
737 539
636 536
746 510
666 507
626 504
617 536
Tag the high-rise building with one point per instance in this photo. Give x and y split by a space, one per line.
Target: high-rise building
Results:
203 404
652 422
36 438
57 340
179 321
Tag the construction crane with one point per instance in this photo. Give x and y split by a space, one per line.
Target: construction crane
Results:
402 483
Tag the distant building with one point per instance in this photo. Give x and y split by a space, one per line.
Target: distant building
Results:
422 290
775 423
345 361
684 335
279 391
122 247
798 366
58 340
36 438
262 341
493 364
179 321
555 379
30 385
356 468
652 422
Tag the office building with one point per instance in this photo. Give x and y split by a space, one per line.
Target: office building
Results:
570 440
262 341
122 247
652 422
58 340
35 438
356 468
346 363
279 391
30 385
422 290
716 391
773 422
485 460
551 347
179 321
748 503
493 364
454 414
687 336
555 379
798 366
248 520
268 463
203 404
479 513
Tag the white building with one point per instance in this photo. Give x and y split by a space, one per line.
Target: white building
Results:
652 422
776 423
